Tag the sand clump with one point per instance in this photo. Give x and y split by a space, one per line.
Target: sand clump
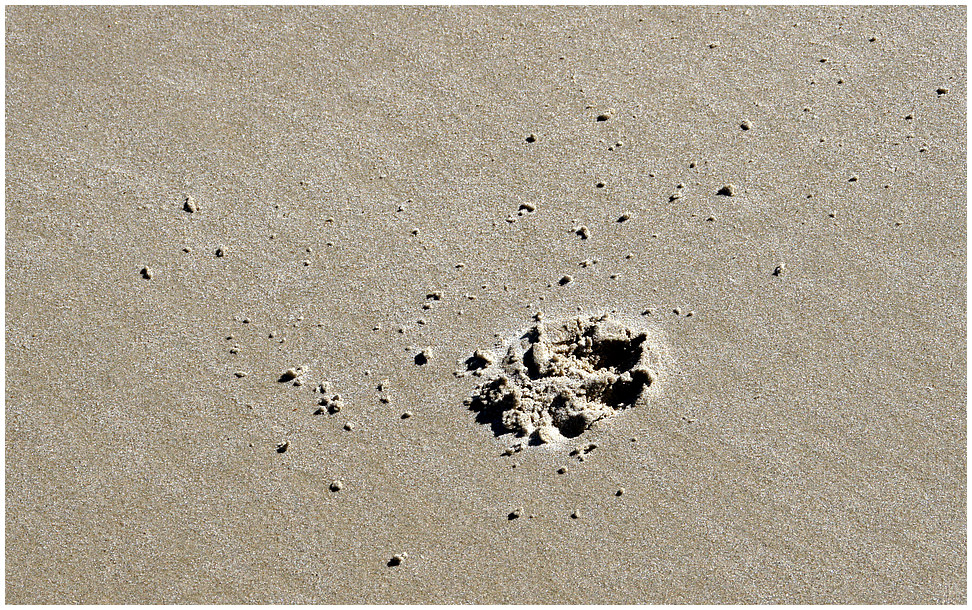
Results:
329 404
560 379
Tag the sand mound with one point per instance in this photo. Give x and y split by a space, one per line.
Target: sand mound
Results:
557 380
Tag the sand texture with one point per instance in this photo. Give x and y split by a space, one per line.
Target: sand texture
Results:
263 264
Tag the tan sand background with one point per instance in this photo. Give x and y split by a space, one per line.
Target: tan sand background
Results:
809 442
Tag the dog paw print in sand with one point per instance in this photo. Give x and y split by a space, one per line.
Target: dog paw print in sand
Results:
558 379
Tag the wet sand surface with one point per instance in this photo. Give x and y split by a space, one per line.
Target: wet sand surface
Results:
199 200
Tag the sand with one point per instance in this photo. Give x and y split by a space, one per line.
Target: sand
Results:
195 193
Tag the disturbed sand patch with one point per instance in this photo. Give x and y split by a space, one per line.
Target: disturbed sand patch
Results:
558 379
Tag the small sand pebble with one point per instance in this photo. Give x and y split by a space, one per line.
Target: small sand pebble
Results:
780 269
606 115
528 206
406 415
336 485
531 138
396 560
714 45
289 375
516 448
241 374
423 356
587 262
435 295
624 217
282 446
146 272
515 514
348 426
220 252
941 90
619 492
562 470
675 196
565 280
745 126
583 231
189 204
576 514
728 190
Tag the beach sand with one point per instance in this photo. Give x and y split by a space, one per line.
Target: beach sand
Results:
201 199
